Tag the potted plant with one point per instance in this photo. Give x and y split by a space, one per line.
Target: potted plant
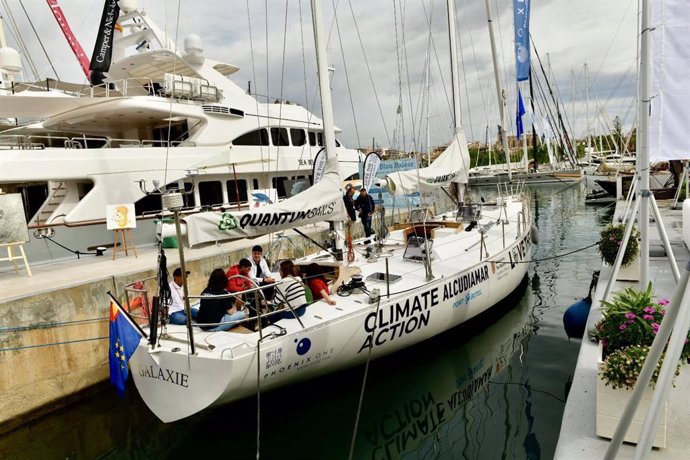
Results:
625 334
611 238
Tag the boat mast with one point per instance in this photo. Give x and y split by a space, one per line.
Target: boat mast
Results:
499 90
326 105
644 112
589 137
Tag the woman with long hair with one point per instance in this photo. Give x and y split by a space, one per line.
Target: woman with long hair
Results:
219 314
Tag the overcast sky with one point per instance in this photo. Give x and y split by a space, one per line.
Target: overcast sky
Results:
384 59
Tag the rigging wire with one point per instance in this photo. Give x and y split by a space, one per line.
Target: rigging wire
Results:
15 31
347 75
256 99
40 42
371 77
167 148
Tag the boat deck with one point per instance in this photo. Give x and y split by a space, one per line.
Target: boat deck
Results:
577 438
76 272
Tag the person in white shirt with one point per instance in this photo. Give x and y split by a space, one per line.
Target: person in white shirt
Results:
260 273
176 309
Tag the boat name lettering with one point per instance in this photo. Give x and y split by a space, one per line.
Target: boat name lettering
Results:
439 179
395 431
303 162
397 319
167 375
301 363
518 253
465 394
270 219
464 282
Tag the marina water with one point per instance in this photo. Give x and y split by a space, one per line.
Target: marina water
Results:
492 388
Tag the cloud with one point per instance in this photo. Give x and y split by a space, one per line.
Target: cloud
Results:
278 57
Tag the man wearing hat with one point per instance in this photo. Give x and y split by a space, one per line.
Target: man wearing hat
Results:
176 309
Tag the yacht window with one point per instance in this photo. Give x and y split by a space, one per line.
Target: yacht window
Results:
148 205
257 137
312 138
279 184
175 133
210 193
33 197
279 136
320 137
337 143
83 188
298 137
233 190
255 184
188 198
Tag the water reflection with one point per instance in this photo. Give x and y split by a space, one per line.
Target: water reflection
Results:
493 388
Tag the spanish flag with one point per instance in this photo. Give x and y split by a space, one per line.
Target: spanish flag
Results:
124 339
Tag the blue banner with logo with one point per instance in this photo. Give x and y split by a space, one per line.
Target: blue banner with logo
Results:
521 19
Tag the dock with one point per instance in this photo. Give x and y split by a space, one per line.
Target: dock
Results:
577 438
54 332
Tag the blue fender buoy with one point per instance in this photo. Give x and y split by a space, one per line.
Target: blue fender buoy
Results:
575 317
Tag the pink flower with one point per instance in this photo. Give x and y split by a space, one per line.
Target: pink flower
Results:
655 327
604 342
663 302
623 327
649 310
630 315
662 311
648 317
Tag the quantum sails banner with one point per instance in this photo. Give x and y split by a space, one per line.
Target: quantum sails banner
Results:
321 202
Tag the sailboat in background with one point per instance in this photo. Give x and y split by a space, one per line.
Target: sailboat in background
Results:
426 277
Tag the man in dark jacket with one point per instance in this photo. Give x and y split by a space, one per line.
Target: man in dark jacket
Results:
350 204
365 204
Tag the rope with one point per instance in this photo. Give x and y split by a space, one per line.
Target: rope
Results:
548 258
361 392
256 99
50 325
52 344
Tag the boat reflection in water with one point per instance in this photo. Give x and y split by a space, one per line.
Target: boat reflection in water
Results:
441 399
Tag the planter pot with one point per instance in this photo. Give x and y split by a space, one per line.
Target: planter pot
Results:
631 272
611 404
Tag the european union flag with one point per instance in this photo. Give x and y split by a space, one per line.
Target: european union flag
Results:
124 338
519 114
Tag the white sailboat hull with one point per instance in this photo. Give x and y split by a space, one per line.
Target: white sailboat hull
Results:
176 385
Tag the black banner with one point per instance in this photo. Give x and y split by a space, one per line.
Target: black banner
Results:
103 50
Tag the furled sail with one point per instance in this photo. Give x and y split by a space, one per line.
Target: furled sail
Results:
321 202
451 166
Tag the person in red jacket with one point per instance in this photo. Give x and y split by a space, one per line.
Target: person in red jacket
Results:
236 283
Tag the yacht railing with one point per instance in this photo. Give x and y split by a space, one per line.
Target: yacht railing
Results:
37 142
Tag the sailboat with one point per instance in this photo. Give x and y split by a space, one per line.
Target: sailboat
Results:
427 277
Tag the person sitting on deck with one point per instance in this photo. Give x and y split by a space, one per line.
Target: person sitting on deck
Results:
218 310
176 309
317 283
290 291
242 283
260 272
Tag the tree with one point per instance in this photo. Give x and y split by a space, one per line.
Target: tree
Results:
618 135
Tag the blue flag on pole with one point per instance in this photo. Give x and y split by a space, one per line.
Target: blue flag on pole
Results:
518 115
124 338
521 20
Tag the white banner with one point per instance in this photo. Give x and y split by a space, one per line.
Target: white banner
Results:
451 166
321 202
371 167
319 165
670 114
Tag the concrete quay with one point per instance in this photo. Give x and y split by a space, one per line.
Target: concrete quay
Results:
54 326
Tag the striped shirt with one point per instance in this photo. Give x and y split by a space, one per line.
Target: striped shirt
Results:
291 290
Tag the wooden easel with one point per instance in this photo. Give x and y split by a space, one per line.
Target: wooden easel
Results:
124 234
11 257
